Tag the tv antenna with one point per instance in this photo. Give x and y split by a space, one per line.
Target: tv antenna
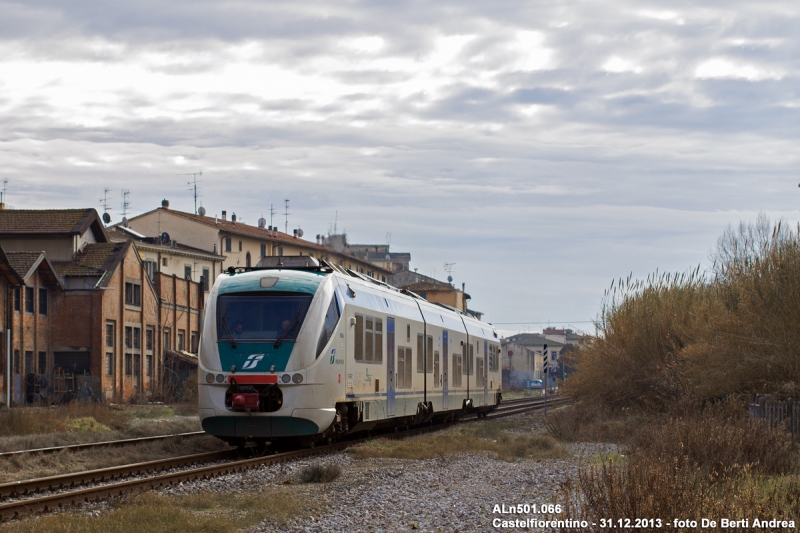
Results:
193 184
104 203
5 185
388 238
125 203
271 214
287 216
448 267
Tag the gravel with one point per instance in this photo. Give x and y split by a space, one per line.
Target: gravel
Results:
455 493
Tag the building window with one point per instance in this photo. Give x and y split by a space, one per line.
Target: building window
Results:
137 364
149 337
17 299
128 364
263 250
167 340
137 338
133 294
247 260
194 342
206 274
187 271
148 365
280 251
128 337
110 334
43 302
42 363
29 300
163 261
240 246
227 244
109 364
181 335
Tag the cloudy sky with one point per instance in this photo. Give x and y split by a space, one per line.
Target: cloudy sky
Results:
545 148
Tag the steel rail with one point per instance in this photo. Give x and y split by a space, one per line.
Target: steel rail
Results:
22 507
111 443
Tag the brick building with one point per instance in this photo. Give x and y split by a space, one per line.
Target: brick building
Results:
85 316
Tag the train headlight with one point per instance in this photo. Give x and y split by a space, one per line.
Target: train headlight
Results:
297 378
220 378
209 378
286 378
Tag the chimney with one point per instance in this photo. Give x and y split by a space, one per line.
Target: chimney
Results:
295 233
224 215
233 217
165 203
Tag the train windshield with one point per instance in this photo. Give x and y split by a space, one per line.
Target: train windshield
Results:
261 317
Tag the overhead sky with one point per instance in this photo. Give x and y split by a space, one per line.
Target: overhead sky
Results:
544 148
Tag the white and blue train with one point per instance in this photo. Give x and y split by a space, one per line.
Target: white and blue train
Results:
304 351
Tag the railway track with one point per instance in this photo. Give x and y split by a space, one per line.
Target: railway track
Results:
108 443
46 494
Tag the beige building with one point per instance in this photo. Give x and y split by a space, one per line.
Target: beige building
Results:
239 244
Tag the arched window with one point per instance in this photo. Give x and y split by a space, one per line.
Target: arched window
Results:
247 259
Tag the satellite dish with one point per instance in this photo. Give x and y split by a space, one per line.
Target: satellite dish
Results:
262 222
201 211
165 237
450 279
299 232
125 221
106 218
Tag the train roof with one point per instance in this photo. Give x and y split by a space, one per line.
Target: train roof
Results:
311 272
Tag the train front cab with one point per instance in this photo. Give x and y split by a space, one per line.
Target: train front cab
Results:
261 378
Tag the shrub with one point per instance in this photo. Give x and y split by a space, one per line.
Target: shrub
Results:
318 473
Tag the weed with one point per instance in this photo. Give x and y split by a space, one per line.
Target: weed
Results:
318 473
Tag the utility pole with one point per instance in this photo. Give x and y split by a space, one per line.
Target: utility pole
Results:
193 184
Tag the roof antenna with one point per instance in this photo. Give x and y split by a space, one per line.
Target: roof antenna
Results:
193 184
286 231
104 203
335 222
125 203
3 198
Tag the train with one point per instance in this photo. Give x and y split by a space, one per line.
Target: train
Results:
301 351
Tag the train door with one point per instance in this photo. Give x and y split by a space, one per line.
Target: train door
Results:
445 347
390 373
485 373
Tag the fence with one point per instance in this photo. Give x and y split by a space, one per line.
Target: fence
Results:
776 413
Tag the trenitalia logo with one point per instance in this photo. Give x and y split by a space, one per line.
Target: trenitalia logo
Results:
252 361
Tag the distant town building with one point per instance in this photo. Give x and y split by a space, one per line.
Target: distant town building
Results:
379 254
243 245
434 290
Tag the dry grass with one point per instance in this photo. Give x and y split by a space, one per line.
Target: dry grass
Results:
707 465
493 438
584 422
697 336
43 420
29 466
199 513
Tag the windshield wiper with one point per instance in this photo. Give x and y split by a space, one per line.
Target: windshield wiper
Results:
230 333
283 335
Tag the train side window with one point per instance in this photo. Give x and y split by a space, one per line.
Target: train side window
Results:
358 348
436 369
378 340
479 372
408 332
464 358
331 319
471 364
369 339
456 373
420 353
403 368
430 354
